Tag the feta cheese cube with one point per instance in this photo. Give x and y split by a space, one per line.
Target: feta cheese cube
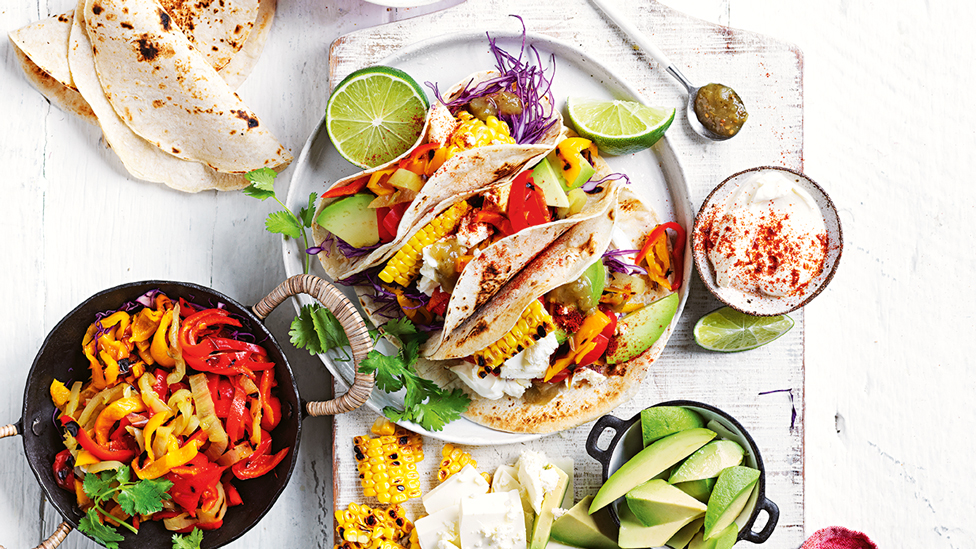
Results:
537 475
492 521
440 528
466 482
503 481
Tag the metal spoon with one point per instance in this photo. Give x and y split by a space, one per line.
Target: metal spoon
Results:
625 25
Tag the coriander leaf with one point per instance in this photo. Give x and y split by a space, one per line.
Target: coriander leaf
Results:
410 352
262 179
283 223
389 370
100 487
328 327
443 409
399 328
260 194
418 390
308 213
189 541
303 334
102 533
144 497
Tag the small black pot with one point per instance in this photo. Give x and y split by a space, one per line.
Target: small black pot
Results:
627 441
60 357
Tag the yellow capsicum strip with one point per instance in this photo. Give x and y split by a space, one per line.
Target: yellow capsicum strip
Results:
59 393
378 182
659 261
570 153
160 343
583 343
150 429
115 412
163 465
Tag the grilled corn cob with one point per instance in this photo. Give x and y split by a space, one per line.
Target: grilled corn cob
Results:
452 460
404 267
387 465
534 324
361 527
474 133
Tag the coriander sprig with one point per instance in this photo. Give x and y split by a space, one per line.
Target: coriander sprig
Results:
283 222
139 497
424 402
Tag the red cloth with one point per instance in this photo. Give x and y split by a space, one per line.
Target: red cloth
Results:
838 537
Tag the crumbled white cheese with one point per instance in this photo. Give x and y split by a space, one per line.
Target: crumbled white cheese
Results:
619 240
537 475
428 273
492 521
558 512
490 387
532 362
471 234
442 124
439 530
586 375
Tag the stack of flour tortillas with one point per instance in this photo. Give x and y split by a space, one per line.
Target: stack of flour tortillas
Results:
159 77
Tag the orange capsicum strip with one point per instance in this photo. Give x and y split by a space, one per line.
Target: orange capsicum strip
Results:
592 326
678 253
115 412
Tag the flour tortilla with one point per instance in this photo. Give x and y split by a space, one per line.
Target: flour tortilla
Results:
68 99
165 91
142 159
462 174
556 407
217 28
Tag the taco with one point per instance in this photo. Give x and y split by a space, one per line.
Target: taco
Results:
572 335
455 262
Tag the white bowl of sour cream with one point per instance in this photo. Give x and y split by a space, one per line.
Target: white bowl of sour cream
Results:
767 240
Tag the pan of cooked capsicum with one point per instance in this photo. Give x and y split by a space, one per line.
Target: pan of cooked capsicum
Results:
165 414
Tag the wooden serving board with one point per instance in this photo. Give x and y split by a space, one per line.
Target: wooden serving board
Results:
768 74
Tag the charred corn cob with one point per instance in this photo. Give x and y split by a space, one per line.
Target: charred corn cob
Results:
534 324
404 267
387 465
474 133
452 460
361 527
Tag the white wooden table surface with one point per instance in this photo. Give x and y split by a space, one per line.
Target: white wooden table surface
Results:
888 426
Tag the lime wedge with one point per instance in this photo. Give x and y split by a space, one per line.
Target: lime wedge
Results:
375 114
727 330
619 127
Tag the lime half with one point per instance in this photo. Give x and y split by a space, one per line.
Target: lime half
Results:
375 115
619 127
727 330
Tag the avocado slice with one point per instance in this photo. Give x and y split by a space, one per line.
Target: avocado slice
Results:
657 502
723 540
586 171
639 330
688 531
544 520
660 421
596 274
650 462
698 489
730 495
581 529
634 534
352 220
710 460
545 176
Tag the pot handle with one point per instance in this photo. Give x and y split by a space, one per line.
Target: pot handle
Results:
613 423
62 532
335 301
761 536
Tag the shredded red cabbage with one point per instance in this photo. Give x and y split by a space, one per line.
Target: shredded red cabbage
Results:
527 80
386 301
346 249
615 265
792 404
147 299
591 186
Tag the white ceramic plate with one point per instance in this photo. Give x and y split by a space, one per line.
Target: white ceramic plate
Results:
656 175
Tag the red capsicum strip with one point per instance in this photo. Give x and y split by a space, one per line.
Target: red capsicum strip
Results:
258 463
348 189
419 159
63 468
235 416
103 453
677 254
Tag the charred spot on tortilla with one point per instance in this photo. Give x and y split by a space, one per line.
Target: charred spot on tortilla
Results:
157 103
252 122
176 151
96 9
63 18
164 19
149 51
125 25
479 328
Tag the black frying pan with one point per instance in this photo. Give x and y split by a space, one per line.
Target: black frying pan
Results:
61 357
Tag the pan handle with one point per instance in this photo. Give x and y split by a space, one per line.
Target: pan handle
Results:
57 537
335 301
9 430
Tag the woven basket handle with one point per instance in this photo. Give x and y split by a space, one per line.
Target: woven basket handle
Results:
335 301
62 532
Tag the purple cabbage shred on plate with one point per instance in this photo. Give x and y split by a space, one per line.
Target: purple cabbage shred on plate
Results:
591 186
346 249
611 260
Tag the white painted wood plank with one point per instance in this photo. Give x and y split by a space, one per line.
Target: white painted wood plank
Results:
768 74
